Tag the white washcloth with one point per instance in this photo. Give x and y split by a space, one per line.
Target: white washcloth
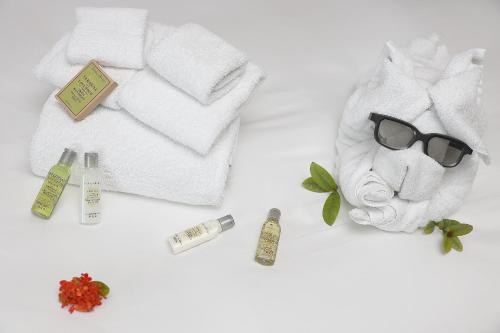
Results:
112 36
135 159
198 62
57 70
157 103
423 85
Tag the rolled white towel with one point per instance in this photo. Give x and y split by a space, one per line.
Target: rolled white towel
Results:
373 191
134 158
112 36
397 215
360 186
198 62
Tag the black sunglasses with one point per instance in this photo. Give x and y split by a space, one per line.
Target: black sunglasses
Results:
397 134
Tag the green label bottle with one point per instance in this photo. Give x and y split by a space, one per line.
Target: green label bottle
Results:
269 239
53 186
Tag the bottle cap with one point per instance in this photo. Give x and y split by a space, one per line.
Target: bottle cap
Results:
226 222
67 157
91 160
274 214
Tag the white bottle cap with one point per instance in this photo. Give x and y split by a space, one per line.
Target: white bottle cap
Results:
91 160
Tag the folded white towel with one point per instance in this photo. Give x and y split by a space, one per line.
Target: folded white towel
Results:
155 102
57 70
422 85
198 62
112 36
134 158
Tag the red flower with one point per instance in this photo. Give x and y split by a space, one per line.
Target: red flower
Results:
81 293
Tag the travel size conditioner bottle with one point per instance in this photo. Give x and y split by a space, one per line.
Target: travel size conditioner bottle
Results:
91 190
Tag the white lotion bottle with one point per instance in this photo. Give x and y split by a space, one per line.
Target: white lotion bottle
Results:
91 190
199 234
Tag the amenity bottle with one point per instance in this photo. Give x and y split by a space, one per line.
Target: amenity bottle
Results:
269 239
53 185
199 234
91 190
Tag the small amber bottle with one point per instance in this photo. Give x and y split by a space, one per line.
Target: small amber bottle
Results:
269 238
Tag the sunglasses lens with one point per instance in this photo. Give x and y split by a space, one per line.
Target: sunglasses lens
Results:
394 135
444 151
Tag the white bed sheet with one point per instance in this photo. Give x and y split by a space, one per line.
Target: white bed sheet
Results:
345 278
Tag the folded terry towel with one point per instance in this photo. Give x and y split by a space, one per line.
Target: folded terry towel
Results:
198 62
134 158
112 36
423 85
157 103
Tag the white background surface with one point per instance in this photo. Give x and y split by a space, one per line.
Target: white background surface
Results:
344 278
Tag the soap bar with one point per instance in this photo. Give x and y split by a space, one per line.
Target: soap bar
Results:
86 90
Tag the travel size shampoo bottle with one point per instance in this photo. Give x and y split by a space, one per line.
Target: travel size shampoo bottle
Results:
53 186
91 190
269 238
199 234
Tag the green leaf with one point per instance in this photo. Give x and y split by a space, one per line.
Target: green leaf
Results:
322 177
331 208
446 223
310 184
451 222
103 288
460 230
446 244
456 244
429 228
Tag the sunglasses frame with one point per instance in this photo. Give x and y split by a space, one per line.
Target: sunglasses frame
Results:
419 136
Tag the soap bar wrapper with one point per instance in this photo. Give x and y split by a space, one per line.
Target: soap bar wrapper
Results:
86 90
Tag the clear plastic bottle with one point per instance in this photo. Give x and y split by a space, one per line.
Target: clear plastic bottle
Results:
91 190
53 185
199 234
269 239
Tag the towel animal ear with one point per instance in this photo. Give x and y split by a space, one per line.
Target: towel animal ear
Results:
457 100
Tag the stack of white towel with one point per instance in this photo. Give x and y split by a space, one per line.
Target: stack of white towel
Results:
170 127
421 84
